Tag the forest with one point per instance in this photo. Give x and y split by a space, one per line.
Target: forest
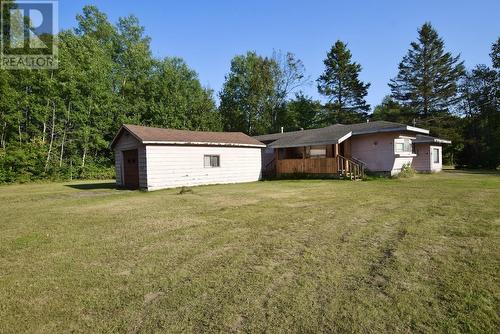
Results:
57 124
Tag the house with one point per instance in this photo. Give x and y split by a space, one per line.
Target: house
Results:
154 158
348 150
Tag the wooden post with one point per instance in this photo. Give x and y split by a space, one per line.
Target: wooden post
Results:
303 159
277 162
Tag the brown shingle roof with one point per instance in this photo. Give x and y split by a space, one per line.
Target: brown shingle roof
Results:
152 135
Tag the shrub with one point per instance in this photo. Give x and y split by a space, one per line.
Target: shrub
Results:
406 171
22 163
95 172
185 190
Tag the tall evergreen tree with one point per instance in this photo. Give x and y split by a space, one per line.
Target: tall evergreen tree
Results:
428 76
340 83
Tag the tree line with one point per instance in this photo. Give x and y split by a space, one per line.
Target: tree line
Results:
59 123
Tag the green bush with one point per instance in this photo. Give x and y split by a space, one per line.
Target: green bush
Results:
22 163
406 171
26 163
95 172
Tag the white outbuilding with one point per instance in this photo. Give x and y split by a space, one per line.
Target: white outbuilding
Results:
155 158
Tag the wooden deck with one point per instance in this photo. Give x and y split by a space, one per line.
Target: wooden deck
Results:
336 166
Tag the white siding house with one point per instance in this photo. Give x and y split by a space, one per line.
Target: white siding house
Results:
154 158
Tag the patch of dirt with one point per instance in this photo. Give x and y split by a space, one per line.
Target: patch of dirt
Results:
148 299
123 273
235 327
151 297
376 276
345 236
84 194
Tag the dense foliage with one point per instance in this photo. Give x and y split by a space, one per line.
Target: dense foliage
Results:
59 123
254 96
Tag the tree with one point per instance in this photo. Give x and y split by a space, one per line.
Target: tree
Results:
58 123
392 111
177 99
302 112
481 109
247 96
340 83
133 65
256 90
289 76
428 76
495 54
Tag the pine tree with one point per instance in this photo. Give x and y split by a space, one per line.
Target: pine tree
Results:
495 54
428 76
340 83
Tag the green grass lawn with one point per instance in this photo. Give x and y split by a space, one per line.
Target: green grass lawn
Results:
409 255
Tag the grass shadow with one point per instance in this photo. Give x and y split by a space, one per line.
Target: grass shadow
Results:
93 186
472 171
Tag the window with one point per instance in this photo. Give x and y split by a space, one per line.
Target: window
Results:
317 152
211 161
403 145
435 155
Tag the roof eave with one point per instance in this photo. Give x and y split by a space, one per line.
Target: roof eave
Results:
324 142
124 128
401 128
433 140
163 142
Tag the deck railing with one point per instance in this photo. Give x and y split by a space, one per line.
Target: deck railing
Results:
339 165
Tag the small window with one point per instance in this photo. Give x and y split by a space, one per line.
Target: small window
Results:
317 151
211 161
403 145
400 147
435 155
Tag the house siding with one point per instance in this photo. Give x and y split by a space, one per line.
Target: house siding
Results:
267 158
377 152
170 166
422 162
129 142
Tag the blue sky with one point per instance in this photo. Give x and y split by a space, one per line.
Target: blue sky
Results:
207 34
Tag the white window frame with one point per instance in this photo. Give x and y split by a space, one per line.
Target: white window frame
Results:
211 160
435 155
407 147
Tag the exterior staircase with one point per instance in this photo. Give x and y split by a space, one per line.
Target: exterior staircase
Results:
350 168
